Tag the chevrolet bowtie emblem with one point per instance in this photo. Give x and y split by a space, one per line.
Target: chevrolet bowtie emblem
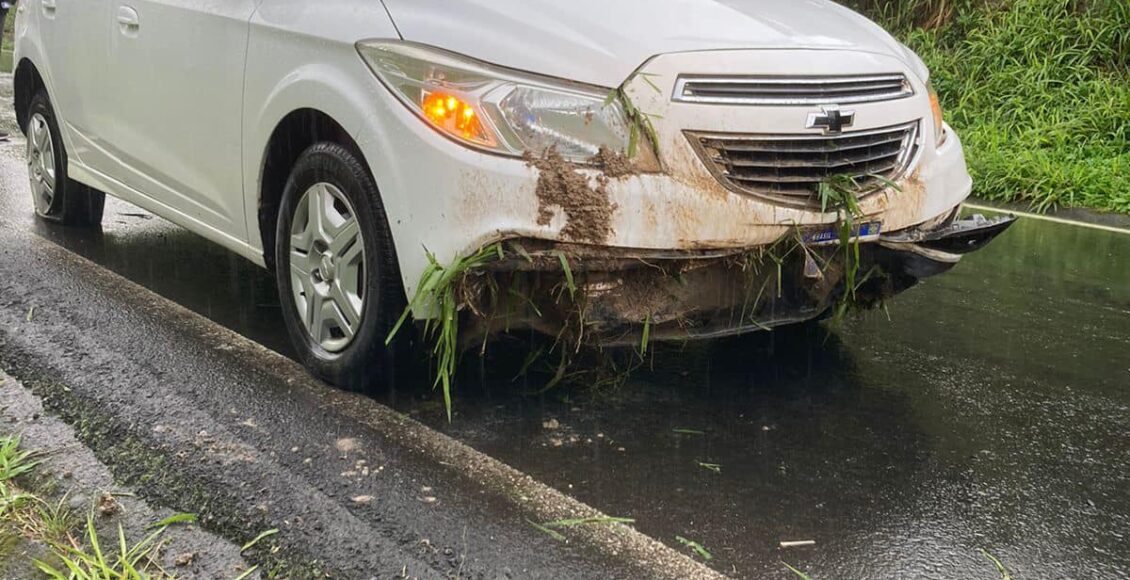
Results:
831 119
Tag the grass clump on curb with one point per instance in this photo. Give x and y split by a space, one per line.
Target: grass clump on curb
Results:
121 561
1038 90
26 516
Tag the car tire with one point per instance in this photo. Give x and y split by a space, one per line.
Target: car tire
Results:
55 196
338 311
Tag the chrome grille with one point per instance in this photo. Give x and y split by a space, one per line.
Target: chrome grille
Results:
792 90
791 167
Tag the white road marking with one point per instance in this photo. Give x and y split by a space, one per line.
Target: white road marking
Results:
1048 218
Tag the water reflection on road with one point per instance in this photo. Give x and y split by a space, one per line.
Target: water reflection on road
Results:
989 411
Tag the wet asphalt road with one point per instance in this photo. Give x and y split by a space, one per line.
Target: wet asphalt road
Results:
987 409
198 419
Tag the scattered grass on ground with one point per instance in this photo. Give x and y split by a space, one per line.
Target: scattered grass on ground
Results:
1000 567
715 467
598 520
1038 90
695 547
799 574
550 528
9 26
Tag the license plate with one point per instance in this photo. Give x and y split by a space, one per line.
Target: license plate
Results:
831 234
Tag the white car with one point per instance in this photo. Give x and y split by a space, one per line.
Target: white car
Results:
663 168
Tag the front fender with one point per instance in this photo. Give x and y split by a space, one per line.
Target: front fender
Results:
330 78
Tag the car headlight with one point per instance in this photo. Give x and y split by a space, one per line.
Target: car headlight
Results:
936 109
496 109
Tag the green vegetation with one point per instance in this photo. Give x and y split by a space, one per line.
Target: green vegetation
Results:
1000 567
14 462
120 561
440 289
24 516
840 194
258 538
6 42
638 120
799 574
9 26
1038 90
550 528
696 547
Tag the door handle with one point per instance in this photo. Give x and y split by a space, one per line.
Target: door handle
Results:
128 20
48 7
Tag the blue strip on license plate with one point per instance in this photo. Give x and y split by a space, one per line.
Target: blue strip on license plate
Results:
832 234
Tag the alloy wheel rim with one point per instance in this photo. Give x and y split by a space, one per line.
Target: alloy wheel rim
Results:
327 266
41 163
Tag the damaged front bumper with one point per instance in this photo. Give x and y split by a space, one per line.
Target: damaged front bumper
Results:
604 296
924 252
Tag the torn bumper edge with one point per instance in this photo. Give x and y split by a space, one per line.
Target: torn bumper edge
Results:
700 294
925 252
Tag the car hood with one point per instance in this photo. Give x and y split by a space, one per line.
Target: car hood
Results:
603 41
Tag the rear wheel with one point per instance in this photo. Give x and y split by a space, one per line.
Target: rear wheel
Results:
336 269
56 197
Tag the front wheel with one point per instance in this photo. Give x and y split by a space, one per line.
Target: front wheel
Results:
56 197
336 270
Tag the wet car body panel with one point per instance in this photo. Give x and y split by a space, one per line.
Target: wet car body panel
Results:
607 41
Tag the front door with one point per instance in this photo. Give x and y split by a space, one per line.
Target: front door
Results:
76 38
176 105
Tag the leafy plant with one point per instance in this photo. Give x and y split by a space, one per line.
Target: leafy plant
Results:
14 462
123 561
840 193
637 120
645 338
437 291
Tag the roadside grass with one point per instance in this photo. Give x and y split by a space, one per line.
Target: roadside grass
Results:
6 42
9 27
1038 90
74 549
